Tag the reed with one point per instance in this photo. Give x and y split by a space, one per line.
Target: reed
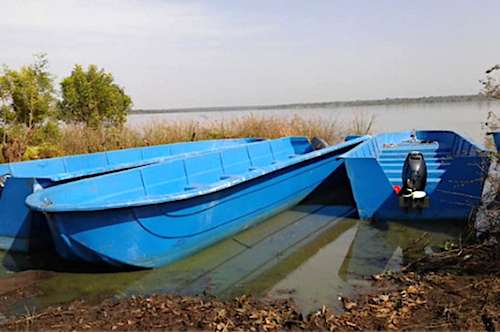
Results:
275 127
361 123
83 140
74 139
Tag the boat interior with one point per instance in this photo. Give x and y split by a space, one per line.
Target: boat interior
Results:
439 148
66 167
195 173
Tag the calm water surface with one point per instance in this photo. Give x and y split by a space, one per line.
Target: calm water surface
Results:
312 253
464 117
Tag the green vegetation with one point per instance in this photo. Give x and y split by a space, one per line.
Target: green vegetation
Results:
71 139
27 98
94 109
29 108
91 97
31 93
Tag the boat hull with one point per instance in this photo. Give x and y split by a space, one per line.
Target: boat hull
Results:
457 170
158 235
22 230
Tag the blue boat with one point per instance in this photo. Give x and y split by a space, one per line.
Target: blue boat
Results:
23 231
155 215
417 175
496 138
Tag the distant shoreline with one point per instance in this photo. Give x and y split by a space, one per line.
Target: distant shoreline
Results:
387 101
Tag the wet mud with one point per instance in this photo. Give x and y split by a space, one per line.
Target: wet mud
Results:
457 290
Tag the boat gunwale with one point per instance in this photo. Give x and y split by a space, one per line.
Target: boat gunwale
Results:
36 201
352 152
6 168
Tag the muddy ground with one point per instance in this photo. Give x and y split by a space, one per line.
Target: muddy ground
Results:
457 290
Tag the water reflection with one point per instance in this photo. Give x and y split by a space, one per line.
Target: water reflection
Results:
382 246
312 252
255 260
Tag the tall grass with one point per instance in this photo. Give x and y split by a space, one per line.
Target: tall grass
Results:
361 123
251 126
275 127
73 139
82 140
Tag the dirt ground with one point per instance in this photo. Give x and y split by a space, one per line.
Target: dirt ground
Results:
457 290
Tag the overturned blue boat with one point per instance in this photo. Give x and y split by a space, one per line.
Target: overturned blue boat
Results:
155 215
417 175
23 230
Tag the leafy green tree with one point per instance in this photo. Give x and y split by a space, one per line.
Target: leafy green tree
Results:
92 97
27 94
6 110
26 101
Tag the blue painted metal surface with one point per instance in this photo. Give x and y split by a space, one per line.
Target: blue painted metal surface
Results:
456 170
496 139
23 230
155 215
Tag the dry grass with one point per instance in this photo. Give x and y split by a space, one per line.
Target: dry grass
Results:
361 124
76 139
276 127
82 140
247 127
491 124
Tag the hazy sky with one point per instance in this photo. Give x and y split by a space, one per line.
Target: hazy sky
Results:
175 54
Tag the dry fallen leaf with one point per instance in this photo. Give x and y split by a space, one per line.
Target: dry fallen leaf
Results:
412 290
350 305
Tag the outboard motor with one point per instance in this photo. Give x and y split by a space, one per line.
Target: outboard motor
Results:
414 180
414 173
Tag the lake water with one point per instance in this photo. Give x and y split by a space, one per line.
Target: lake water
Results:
464 117
312 252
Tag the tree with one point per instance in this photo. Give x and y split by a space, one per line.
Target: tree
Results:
28 93
6 110
92 98
27 98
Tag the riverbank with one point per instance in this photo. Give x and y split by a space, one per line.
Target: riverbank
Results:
456 290
70 139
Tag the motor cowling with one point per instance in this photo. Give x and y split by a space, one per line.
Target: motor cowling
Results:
414 173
